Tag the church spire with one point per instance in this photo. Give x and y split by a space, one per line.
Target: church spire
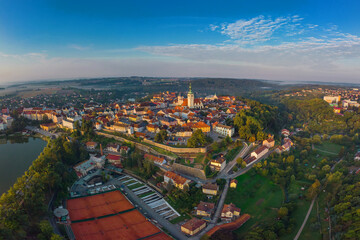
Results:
190 88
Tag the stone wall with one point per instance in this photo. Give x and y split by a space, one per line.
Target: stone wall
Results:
140 146
190 171
175 149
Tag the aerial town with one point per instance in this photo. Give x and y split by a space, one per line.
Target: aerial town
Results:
171 164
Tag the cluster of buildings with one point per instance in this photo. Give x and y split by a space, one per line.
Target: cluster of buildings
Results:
5 119
204 211
260 151
96 161
179 116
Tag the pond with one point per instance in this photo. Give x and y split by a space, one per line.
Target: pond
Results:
16 156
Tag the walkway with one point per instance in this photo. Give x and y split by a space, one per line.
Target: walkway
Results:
305 220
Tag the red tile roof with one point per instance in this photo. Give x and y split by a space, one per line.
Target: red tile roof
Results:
193 224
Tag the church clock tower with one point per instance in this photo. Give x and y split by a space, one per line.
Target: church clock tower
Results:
190 98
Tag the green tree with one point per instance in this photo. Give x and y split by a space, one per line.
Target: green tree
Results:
56 237
283 212
161 136
46 230
197 139
239 161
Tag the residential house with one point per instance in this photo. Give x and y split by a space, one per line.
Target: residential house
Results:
156 160
91 145
233 183
210 189
218 164
269 143
113 147
193 226
285 132
176 180
230 212
205 209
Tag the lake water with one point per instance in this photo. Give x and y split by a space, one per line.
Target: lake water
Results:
16 157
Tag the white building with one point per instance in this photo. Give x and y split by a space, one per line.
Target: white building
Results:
349 103
224 130
332 99
68 124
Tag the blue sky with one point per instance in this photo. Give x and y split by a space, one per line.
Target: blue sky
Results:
297 40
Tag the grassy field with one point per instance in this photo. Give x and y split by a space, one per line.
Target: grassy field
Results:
257 196
328 148
302 205
316 227
309 232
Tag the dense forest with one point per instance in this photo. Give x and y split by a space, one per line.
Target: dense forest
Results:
317 116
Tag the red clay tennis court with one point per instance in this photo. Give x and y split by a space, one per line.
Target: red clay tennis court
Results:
97 205
130 225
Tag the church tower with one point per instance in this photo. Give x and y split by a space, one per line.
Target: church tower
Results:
190 98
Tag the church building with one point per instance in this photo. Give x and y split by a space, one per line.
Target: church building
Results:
189 102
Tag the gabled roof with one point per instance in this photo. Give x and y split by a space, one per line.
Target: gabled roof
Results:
205 206
210 186
193 224
230 208
176 178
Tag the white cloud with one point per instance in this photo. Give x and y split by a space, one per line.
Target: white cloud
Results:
258 29
78 47
283 42
283 48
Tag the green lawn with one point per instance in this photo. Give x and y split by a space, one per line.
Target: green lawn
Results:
302 206
180 219
257 196
328 148
317 216
309 232
135 186
145 194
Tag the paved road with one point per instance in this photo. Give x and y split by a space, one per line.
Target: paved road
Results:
217 214
150 213
305 220
244 170
231 164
